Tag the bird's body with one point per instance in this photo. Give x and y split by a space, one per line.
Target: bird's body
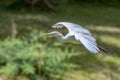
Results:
76 32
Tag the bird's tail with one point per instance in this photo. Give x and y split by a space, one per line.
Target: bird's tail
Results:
103 49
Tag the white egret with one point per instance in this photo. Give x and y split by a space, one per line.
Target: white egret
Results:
79 33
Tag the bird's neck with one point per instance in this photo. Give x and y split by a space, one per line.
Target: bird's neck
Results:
60 37
63 38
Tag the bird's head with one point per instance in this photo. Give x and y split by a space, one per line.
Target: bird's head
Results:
54 33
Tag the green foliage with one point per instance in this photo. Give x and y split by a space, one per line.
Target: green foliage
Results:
31 57
6 2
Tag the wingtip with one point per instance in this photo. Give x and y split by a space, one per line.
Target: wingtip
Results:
104 50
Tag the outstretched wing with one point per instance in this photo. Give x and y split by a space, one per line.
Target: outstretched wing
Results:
71 27
88 41
81 34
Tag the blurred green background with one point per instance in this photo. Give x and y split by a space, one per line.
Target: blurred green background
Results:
27 54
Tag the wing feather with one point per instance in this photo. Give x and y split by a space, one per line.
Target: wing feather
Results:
71 27
90 45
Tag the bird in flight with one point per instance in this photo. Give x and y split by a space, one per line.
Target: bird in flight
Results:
77 33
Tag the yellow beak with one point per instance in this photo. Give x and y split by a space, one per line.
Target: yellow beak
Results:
47 34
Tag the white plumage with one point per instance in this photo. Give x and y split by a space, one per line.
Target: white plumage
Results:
80 34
